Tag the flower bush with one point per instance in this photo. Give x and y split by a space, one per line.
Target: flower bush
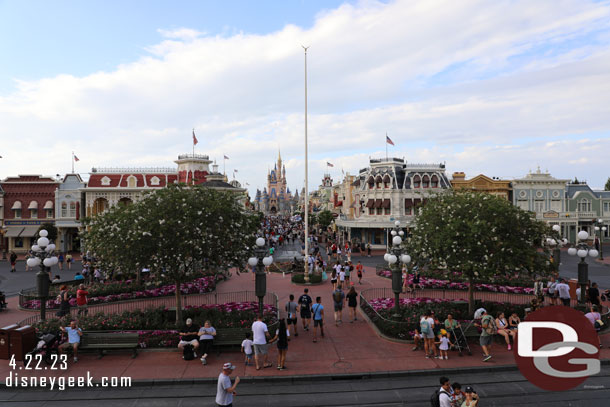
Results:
197 286
157 326
426 282
380 311
299 278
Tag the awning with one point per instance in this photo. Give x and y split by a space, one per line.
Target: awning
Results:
378 203
16 205
13 231
370 203
29 231
48 205
33 205
386 204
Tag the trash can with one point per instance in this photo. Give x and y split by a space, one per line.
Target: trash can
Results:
573 283
22 341
5 340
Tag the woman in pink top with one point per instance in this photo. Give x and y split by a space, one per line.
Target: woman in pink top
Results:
593 316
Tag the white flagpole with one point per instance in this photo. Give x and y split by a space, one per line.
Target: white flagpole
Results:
306 200
386 146
72 162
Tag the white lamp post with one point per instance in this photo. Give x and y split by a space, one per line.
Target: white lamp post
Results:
395 256
44 256
582 250
260 261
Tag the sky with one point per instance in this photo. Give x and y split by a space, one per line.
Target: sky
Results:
487 87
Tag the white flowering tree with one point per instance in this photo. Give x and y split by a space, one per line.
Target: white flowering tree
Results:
479 235
176 232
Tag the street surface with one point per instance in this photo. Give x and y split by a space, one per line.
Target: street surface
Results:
500 388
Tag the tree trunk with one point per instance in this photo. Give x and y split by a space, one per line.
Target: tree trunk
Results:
138 276
178 304
470 295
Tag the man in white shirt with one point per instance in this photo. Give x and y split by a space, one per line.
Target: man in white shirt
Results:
444 394
260 335
224 390
564 292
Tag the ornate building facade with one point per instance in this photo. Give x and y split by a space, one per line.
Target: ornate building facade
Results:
482 183
276 198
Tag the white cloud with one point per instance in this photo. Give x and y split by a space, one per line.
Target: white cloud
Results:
465 82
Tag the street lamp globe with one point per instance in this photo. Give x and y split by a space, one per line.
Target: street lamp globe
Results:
385 256
397 223
593 253
392 259
267 261
582 253
553 242
556 228
405 258
43 241
260 242
36 248
43 233
597 228
583 235
48 262
396 240
401 233
393 233
252 261
572 251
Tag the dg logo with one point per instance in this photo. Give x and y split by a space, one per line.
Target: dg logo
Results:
557 348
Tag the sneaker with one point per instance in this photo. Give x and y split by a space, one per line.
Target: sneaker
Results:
427 356
438 357
75 360
296 334
509 347
415 348
446 357
486 358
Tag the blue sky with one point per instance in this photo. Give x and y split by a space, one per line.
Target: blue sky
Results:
488 87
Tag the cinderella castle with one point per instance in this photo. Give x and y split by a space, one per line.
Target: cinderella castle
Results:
276 198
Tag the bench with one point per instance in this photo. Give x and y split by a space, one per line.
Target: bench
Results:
229 337
102 341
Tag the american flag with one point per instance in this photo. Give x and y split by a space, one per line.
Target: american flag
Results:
329 164
76 159
388 140
226 158
195 141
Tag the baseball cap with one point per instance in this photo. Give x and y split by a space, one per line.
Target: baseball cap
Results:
468 389
228 365
189 321
478 313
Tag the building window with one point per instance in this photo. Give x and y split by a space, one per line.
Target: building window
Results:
416 181
379 211
378 181
49 213
17 213
73 209
556 205
34 213
64 210
408 211
386 181
606 206
387 211
539 206
132 181
426 181
434 182
155 181
371 211
584 205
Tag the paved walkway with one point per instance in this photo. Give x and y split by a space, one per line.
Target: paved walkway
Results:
348 349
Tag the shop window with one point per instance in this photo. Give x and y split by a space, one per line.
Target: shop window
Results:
387 211
64 210
73 209
379 211
371 211
34 213
17 213
49 213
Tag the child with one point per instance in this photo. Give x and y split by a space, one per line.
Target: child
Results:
444 344
246 348
417 338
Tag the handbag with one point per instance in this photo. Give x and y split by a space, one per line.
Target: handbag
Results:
599 324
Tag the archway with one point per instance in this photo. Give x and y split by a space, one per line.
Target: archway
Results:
100 205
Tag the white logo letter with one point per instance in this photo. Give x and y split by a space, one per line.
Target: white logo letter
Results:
526 339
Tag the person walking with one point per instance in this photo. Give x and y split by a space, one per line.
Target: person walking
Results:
593 294
69 261
64 301
305 302
342 277
291 309
318 318
359 271
260 334
60 261
368 249
281 336
489 330
338 297
224 390
564 292
13 260
352 303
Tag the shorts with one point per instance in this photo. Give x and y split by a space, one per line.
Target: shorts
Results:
566 301
194 342
485 340
291 321
428 335
306 313
260 349
67 345
338 306
318 322
249 356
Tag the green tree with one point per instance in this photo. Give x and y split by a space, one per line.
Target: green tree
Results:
480 235
607 187
325 218
49 227
176 231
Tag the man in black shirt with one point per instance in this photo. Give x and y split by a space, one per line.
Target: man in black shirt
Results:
188 335
305 302
594 294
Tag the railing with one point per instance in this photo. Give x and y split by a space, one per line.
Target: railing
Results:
200 156
148 170
29 294
190 300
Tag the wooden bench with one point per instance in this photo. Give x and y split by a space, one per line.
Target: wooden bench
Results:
229 337
102 341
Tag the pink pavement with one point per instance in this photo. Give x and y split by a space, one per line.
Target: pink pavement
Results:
349 348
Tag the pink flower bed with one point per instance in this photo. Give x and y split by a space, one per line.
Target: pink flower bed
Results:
425 282
197 286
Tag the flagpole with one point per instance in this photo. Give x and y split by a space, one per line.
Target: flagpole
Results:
386 146
306 200
72 162
193 142
224 164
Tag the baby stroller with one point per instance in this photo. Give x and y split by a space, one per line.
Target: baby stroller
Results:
460 340
48 345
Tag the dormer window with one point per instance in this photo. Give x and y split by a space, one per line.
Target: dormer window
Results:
386 181
434 182
155 181
105 181
425 181
416 181
378 181
132 181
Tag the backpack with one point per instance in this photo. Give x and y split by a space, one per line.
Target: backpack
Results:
188 352
435 399
337 296
491 329
424 326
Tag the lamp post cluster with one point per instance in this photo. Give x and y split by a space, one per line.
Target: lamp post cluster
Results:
582 250
394 257
44 256
601 230
260 261
556 246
